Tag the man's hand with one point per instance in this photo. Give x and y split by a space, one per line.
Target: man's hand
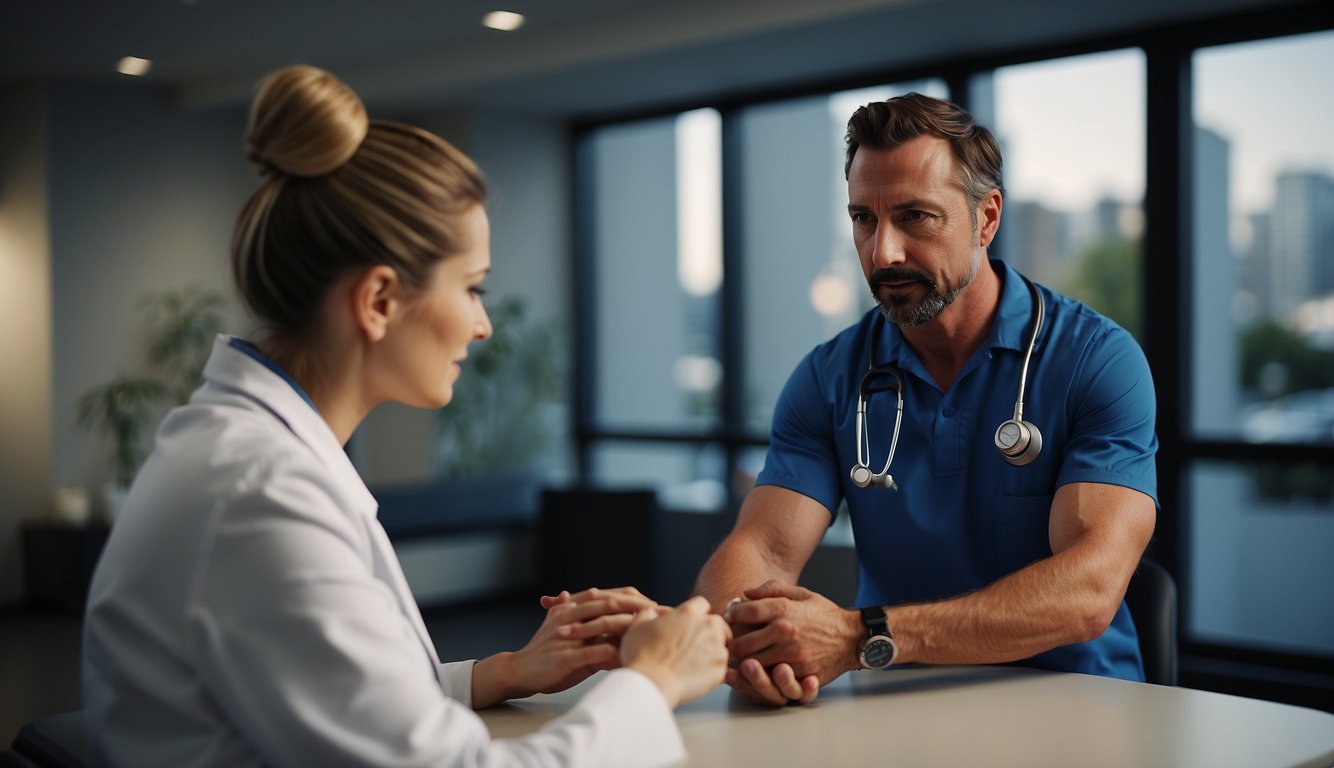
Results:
788 641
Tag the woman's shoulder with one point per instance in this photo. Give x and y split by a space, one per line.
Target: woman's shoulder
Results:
227 435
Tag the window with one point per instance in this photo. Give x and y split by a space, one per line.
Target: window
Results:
657 254
658 259
1071 131
1260 563
686 477
1263 343
1264 241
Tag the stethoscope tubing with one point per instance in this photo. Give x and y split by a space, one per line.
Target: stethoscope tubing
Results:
861 471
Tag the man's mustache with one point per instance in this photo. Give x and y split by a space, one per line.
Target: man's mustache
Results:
900 275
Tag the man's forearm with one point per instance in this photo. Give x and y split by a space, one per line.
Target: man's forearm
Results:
733 568
1068 598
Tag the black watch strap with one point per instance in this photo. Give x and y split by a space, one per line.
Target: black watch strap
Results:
875 621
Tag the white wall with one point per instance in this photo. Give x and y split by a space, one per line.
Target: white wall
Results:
25 325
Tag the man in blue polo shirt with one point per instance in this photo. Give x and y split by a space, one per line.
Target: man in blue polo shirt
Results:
1000 516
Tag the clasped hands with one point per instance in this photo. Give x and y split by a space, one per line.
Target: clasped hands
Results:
787 641
778 645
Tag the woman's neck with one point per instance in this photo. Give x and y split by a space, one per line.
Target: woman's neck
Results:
327 373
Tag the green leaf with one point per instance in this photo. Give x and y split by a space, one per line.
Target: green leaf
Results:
495 417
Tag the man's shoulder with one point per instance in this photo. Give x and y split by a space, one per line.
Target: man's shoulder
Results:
847 344
1072 321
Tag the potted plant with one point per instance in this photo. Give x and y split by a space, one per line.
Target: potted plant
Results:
497 420
181 327
123 409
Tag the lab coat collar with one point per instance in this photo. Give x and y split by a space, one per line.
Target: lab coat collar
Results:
232 369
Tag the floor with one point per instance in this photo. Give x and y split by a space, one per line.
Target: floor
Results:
39 653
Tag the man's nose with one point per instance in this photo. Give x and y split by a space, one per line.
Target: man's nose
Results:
889 247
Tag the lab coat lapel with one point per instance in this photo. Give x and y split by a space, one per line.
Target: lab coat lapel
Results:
233 369
388 570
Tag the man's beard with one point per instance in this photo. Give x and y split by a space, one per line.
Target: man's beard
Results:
900 310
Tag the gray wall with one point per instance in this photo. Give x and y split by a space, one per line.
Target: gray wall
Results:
143 198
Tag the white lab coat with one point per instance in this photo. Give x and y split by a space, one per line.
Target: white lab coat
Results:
249 610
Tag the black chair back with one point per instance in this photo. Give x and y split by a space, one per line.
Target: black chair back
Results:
1152 600
55 741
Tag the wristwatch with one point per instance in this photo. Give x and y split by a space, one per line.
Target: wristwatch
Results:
878 650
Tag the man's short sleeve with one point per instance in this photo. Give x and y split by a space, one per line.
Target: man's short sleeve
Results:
802 456
1112 437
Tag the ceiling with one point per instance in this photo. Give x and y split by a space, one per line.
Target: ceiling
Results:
571 57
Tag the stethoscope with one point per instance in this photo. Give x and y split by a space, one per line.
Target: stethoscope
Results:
1018 441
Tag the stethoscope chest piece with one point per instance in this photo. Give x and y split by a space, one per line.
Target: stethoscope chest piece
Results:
1018 441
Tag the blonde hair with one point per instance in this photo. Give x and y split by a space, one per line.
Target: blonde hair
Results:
342 192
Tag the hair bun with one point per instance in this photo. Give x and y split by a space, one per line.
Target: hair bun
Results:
304 122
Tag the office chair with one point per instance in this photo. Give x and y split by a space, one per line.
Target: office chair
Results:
54 741
598 537
1152 600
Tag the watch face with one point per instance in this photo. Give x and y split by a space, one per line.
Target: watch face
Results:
877 652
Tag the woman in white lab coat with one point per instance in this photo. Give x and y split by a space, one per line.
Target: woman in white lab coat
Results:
248 608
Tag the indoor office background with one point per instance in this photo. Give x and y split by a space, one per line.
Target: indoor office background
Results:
669 238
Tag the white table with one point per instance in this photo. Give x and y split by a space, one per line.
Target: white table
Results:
982 716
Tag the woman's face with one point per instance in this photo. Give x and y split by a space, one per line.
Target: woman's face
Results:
431 340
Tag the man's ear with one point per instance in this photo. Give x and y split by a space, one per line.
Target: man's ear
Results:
988 217
376 299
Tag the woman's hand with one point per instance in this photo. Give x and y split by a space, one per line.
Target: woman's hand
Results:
683 651
580 635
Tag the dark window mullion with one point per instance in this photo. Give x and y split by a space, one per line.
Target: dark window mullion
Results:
732 303
583 294
1165 277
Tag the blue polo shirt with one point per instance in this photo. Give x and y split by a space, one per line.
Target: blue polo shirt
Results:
962 517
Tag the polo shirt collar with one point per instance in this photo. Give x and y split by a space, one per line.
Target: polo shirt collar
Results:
1013 323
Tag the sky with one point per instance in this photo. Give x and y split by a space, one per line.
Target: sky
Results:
1274 101
1072 129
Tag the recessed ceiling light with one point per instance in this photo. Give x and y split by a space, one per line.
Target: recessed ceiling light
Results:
133 66
506 21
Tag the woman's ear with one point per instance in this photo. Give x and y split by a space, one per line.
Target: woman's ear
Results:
376 301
